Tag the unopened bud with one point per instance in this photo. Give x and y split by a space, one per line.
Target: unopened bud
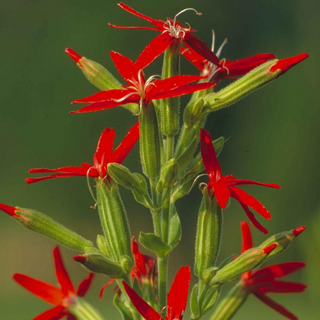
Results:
39 222
126 264
168 175
193 112
252 81
98 263
283 240
122 175
245 262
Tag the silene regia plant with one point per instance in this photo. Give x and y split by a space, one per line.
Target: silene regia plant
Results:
171 165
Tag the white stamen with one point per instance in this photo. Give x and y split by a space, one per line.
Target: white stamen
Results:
225 41
213 40
184 10
90 188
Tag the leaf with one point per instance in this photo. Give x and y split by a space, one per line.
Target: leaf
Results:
153 243
175 231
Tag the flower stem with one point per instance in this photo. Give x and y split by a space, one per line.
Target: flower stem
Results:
162 282
169 147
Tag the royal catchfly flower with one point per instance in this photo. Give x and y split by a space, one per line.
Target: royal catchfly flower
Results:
170 31
225 187
264 280
177 298
226 69
62 298
104 154
139 90
144 269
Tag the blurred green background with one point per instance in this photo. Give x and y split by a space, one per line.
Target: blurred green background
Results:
274 133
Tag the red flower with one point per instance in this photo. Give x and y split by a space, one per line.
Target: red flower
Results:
170 31
144 269
224 187
265 280
139 90
62 297
226 69
177 298
285 64
103 155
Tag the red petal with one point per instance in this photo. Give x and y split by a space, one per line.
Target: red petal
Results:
134 28
244 182
249 201
105 287
109 95
8 209
195 58
139 268
68 170
178 294
165 85
55 313
282 287
104 148
222 193
242 66
41 289
253 219
153 50
126 67
143 308
73 55
278 270
209 156
246 237
62 274
274 305
157 23
126 145
298 230
71 317
85 285
285 64
200 47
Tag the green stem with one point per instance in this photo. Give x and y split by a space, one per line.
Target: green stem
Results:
169 147
155 212
182 140
162 282
84 311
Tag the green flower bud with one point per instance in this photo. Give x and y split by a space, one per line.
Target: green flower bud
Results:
98 263
247 261
39 222
193 112
168 175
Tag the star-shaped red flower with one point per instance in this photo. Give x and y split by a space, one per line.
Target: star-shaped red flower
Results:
225 187
139 90
104 154
177 298
265 280
170 31
61 298
144 269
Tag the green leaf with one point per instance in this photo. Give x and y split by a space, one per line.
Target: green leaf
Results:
153 243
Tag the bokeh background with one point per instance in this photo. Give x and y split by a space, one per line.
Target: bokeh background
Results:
274 133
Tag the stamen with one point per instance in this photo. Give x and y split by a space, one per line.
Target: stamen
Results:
213 40
195 180
126 96
225 41
184 10
90 188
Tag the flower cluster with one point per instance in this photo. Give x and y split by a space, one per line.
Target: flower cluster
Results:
170 168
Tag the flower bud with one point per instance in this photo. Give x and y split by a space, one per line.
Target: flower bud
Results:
231 303
113 219
194 304
252 81
283 241
122 175
208 235
39 222
99 76
98 263
245 262
126 264
193 111
168 175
